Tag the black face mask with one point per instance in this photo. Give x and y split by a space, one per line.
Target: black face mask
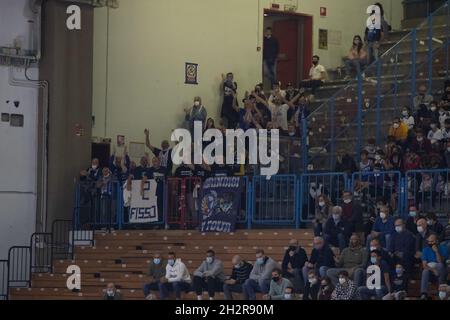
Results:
276 279
315 63
292 248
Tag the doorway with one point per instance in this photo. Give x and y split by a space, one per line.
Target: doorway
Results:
101 151
294 33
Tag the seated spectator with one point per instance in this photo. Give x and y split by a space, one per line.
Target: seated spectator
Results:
317 76
351 260
156 271
164 154
422 97
382 228
445 99
326 289
209 275
395 161
402 246
111 293
203 170
421 145
322 258
323 212
312 287
444 292
357 57
446 130
336 229
345 289
177 278
399 131
443 116
434 258
260 277
277 286
435 134
423 232
399 285
293 262
434 225
385 286
196 113
375 245
408 119
289 294
371 149
240 274
447 153
412 161
352 212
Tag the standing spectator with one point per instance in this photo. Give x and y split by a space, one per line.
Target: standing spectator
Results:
422 97
143 170
260 277
323 211
399 285
164 154
228 112
111 293
399 131
209 275
293 262
352 260
385 285
373 36
326 289
434 225
336 229
386 27
345 163
357 57
105 187
312 287
177 278
345 289
371 149
322 258
120 166
156 271
421 145
434 259
196 113
240 274
277 286
353 213
402 246
93 173
317 76
270 55
383 227
446 130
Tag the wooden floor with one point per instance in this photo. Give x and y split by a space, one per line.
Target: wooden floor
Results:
122 257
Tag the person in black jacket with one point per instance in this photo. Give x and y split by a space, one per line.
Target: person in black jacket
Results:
322 258
352 212
399 284
345 163
336 231
241 272
312 287
270 56
402 246
294 259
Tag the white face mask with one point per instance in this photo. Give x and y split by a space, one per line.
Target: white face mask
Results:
405 113
322 204
342 280
433 109
448 149
420 229
399 229
383 215
396 125
94 167
110 293
287 296
347 201
373 248
209 259
442 295
197 103
312 281
377 157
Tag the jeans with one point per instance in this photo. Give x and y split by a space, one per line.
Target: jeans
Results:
318 229
442 277
356 63
164 289
313 84
228 290
270 71
358 275
211 284
340 240
367 293
251 287
149 287
373 51
296 278
322 272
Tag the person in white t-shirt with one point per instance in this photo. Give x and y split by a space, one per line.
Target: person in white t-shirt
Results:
317 75
408 119
177 278
279 110
435 134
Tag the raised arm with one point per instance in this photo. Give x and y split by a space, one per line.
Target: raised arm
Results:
260 100
147 140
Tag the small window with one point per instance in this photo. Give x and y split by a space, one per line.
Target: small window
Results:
5 117
16 120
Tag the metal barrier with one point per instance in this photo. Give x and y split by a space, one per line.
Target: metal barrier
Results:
41 252
19 271
313 185
62 239
429 190
274 200
3 280
383 185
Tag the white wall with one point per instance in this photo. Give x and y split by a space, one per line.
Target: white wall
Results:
150 41
18 146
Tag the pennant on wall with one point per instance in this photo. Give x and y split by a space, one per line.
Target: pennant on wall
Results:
191 73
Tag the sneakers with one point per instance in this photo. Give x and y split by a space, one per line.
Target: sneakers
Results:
199 298
150 297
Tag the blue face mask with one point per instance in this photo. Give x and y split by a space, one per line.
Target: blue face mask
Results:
399 271
260 260
171 262
156 261
373 260
209 259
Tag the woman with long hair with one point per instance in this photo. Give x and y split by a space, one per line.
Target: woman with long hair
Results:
356 58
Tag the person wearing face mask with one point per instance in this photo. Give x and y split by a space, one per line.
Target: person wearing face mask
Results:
435 134
421 145
261 275
93 173
382 228
317 76
326 289
322 259
385 256
336 230
446 130
156 271
399 284
422 98
443 116
423 232
111 293
177 278
240 274
323 211
399 131
351 260
312 287
196 113
289 294
402 246
293 262
277 286
444 292
353 213
357 57
434 225
209 275
105 188
143 170
411 221
345 289
408 119
434 258
385 286
164 154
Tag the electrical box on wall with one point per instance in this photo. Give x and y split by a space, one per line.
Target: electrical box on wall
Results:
323 11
